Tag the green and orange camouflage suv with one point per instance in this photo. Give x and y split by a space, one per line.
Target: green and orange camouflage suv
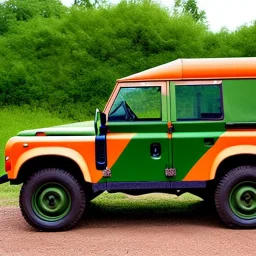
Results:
185 126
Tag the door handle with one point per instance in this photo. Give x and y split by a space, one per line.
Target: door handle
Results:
208 142
155 150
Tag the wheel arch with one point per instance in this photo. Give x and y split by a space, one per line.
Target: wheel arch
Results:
60 157
233 157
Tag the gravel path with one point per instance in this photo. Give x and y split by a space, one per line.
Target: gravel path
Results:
196 234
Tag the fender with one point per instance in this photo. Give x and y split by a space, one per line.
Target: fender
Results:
57 151
228 152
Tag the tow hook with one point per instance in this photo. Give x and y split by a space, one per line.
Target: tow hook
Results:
4 179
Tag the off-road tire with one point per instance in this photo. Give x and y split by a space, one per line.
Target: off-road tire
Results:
235 197
52 200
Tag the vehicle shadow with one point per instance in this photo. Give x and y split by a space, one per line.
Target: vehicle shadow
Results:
156 212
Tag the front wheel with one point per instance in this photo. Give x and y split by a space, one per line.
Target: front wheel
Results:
52 200
235 197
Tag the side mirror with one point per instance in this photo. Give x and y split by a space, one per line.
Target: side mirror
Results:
100 122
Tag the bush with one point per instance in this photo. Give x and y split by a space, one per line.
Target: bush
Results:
67 60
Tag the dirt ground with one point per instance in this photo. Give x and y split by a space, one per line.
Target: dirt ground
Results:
200 233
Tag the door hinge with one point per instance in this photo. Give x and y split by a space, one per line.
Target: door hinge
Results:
170 127
170 172
107 173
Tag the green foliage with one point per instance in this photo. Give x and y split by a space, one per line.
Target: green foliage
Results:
244 40
69 65
90 3
190 7
66 60
25 10
6 19
12 12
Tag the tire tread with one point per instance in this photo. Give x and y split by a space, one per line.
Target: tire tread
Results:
68 175
232 174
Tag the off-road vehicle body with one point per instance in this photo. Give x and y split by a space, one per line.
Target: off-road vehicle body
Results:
188 125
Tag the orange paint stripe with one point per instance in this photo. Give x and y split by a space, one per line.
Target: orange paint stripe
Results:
84 145
116 144
202 169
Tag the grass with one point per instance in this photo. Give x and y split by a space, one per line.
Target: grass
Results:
122 205
9 195
143 205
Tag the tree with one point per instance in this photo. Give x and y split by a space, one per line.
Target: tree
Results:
190 7
24 10
6 19
90 3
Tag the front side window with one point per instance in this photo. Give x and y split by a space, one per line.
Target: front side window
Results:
198 102
136 104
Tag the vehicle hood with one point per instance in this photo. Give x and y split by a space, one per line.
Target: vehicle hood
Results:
75 129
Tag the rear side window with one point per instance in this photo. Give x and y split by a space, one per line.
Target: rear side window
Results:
199 102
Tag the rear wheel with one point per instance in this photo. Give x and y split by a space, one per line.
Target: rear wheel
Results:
52 200
235 197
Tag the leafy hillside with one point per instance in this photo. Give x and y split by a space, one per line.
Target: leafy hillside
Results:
66 60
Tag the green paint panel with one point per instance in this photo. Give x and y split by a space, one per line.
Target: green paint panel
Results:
239 100
138 127
189 147
199 126
76 129
136 163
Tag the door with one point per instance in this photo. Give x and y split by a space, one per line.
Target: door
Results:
137 140
197 123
